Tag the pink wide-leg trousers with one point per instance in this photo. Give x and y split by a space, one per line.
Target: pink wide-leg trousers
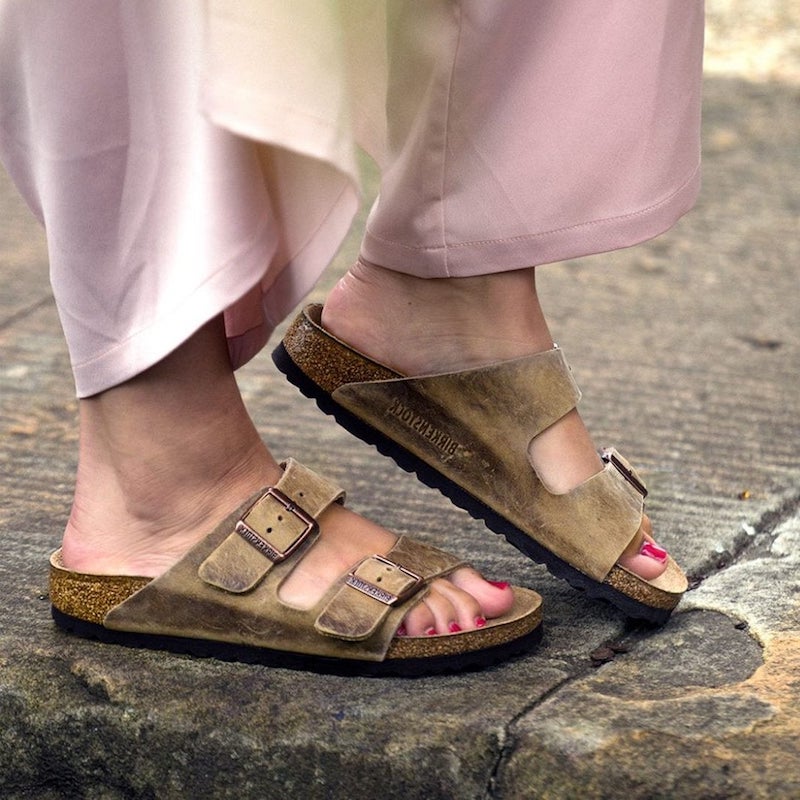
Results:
191 158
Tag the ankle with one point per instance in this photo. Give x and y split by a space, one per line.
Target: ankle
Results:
418 325
143 525
161 458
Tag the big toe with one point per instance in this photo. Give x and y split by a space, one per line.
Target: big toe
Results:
643 556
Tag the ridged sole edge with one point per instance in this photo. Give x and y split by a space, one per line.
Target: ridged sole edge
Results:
225 651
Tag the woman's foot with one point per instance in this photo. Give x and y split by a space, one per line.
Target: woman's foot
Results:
419 326
167 455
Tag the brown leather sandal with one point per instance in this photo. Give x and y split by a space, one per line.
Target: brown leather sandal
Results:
467 434
221 599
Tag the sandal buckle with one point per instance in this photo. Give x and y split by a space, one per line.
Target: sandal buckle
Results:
407 587
274 552
611 456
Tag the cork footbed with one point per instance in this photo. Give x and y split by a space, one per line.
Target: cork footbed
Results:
81 603
319 364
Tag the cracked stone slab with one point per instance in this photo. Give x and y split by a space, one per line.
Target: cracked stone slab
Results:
82 715
696 712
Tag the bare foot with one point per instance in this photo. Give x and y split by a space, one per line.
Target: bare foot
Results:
418 326
167 455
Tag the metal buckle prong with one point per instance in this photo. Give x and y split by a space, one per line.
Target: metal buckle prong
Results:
260 543
610 457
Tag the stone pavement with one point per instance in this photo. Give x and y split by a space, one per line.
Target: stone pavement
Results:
688 352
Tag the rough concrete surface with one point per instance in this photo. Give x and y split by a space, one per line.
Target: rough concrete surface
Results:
687 349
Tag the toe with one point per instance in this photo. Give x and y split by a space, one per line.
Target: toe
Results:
466 611
643 556
493 598
445 615
419 621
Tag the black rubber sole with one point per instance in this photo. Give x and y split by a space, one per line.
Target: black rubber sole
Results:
453 492
401 668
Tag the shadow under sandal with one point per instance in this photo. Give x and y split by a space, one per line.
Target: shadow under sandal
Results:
222 599
468 433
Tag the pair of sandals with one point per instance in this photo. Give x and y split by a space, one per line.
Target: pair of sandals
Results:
464 433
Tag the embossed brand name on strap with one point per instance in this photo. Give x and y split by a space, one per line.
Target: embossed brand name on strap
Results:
427 430
370 589
409 582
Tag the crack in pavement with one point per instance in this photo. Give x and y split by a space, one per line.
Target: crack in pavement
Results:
507 739
751 542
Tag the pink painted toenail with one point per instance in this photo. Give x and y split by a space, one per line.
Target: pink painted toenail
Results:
431 632
401 631
480 622
653 551
454 627
502 585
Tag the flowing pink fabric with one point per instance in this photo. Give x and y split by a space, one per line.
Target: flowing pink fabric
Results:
193 158
536 132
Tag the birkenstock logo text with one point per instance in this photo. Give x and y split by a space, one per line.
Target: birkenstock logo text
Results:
248 534
371 590
437 437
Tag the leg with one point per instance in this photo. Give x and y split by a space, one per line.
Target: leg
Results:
146 255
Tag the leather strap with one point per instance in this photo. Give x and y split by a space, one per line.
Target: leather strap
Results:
280 523
379 584
206 596
476 428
